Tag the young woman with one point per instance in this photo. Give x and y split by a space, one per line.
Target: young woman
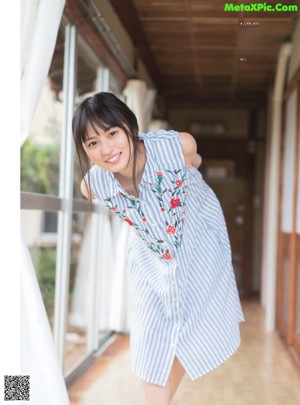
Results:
185 305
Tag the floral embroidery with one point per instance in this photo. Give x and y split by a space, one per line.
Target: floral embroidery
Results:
114 208
175 202
171 230
178 183
167 256
159 247
128 221
168 188
178 180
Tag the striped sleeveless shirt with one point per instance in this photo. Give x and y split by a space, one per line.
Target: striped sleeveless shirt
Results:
184 299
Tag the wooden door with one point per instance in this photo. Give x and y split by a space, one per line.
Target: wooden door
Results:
288 266
228 167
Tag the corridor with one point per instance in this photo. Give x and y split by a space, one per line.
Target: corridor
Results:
262 372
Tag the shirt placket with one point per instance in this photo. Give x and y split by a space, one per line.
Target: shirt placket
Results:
174 304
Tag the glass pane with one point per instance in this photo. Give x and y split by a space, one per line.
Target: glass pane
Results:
40 153
87 68
80 291
39 230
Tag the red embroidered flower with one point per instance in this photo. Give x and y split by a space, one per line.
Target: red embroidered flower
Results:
174 202
159 174
182 220
178 183
128 221
162 209
114 209
167 256
171 230
144 219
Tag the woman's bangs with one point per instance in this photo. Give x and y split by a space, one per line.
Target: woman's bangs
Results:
95 122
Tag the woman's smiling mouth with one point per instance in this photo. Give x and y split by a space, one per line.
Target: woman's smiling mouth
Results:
114 159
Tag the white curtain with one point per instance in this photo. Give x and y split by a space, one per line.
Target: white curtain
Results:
140 100
157 124
113 313
118 296
40 21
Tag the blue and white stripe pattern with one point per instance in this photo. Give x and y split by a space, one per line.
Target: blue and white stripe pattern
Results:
185 302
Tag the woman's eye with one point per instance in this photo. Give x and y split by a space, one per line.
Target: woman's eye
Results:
112 133
93 143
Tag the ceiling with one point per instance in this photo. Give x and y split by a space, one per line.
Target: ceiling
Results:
204 54
199 54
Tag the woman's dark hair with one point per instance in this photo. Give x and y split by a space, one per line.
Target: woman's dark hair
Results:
103 110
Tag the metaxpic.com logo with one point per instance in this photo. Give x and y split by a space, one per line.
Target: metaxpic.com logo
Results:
264 7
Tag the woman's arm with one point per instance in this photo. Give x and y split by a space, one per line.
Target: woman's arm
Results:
85 190
189 148
197 160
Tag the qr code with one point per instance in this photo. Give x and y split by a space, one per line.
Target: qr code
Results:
16 388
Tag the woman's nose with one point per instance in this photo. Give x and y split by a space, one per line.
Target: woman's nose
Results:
106 148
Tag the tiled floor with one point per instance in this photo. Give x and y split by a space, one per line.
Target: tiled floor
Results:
260 373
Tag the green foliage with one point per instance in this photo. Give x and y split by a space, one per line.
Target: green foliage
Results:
44 260
39 168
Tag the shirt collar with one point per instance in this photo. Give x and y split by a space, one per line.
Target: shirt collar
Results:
149 175
114 186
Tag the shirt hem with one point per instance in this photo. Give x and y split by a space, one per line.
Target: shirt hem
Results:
194 376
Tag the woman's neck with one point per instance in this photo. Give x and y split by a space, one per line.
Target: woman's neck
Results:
126 179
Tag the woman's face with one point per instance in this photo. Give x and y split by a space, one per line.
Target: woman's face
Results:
109 149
